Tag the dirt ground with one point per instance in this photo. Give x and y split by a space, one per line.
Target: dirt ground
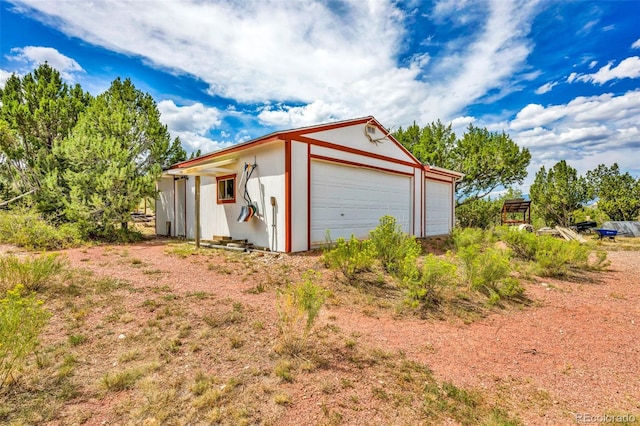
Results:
573 351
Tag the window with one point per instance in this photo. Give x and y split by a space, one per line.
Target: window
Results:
226 189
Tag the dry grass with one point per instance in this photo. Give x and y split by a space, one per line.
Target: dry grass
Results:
122 353
143 355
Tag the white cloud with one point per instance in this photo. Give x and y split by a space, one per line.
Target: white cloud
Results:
459 125
586 132
33 56
627 68
4 75
592 64
284 116
636 44
547 87
341 62
192 124
587 27
534 115
491 61
462 121
461 12
270 50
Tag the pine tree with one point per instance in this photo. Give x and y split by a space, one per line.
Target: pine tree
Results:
618 194
112 159
175 154
35 112
558 193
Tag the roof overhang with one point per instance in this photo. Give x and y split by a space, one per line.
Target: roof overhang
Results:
213 168
446 172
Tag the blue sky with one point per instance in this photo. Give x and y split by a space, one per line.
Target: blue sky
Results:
560 77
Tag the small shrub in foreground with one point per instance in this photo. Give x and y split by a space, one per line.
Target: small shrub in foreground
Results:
351 257
393 246
523 244
22 318
298 307
488 272
424 286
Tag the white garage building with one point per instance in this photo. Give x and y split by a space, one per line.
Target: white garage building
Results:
338 178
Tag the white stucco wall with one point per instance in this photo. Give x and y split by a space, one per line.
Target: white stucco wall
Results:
266 181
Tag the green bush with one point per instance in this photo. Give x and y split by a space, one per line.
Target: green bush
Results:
25 228
393 247
481 213
494 267
298 307
115 235
556 257
351 257
464 237
488 272
468 258
32 273
523 244
424 286
551 256
22 318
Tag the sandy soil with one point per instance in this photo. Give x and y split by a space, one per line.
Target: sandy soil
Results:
577 346
574 350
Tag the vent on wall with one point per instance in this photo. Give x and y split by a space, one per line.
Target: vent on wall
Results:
371 130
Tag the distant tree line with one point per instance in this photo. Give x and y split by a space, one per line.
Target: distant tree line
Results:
89 160
492 160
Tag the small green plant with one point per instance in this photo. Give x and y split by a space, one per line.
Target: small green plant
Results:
298 307
122 380
32 273
183 250
77 339
284 371
352 257
22 318
424 286
202 383
282 399
393 247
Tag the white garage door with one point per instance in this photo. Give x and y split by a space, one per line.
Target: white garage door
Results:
349 200
438 208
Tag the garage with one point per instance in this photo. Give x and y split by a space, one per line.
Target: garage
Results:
438 213
340 177
350 200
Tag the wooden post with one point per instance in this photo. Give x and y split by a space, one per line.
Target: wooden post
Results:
197 212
